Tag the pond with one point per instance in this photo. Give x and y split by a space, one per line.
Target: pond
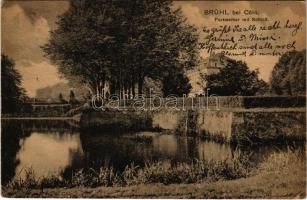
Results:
56 147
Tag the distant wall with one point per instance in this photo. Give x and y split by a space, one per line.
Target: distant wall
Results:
222 102
229 126
246 119
233 126
42 110
169 120
115 120
215 123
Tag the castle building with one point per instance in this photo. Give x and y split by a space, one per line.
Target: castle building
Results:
211 65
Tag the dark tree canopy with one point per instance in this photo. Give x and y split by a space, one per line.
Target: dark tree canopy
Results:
235 79
12 93
121 43
72 98
176 83
289 74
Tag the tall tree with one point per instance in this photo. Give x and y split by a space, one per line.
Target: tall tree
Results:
121 42
82 44
289 74
12 94
235 79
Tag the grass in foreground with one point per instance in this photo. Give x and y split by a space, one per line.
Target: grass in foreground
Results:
283 175
153 172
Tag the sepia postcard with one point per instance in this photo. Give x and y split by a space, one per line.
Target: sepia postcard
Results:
153 99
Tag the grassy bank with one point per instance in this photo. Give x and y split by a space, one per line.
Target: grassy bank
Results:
282 175
153 172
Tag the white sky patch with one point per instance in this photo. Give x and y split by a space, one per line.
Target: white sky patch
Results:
21 36
21 41
38 75
51 153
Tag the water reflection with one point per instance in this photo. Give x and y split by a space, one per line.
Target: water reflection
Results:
11 133
166 145
47 153
213 151
54 147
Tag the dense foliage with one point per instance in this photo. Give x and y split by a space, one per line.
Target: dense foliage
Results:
12 94
235 79
122 43
289 74
72 98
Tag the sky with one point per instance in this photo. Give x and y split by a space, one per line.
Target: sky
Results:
273 10
26 26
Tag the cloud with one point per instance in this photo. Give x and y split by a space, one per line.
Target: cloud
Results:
38 75
22 37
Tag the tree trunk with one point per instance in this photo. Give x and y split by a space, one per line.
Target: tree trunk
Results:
97 89
102 86
140 86
129 91
112 87
133 89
